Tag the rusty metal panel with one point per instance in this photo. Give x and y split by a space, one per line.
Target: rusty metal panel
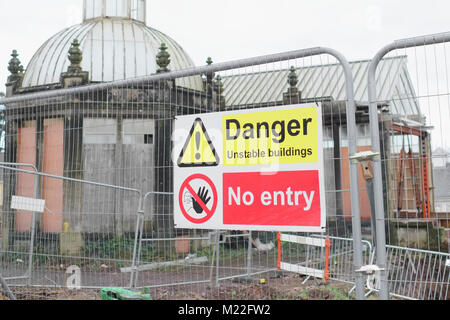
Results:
53 163
26 153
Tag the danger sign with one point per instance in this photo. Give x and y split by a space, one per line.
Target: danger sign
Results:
257 169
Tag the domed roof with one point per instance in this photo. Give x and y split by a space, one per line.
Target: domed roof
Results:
114 48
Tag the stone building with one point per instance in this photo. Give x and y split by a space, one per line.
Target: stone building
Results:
113 136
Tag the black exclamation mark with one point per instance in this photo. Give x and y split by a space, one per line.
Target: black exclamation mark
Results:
198 155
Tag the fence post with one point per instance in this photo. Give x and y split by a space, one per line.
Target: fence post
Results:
354 191
137 241
375 136
5 287
249 254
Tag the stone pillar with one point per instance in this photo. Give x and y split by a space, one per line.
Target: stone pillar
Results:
163 204
71 240
74 76
14 82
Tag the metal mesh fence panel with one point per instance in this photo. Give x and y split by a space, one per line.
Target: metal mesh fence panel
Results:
60 255
120 135
418 274
414 162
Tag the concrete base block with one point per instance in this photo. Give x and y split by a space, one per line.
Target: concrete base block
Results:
417 233
71 243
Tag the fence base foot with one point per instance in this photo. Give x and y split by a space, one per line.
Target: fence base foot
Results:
249 280
279 274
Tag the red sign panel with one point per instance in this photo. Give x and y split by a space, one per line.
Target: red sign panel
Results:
285 198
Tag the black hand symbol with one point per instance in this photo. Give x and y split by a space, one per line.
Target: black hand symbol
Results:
203 195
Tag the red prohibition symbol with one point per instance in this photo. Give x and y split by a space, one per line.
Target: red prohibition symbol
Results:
198 198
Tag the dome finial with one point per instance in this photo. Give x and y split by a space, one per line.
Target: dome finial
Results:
209 76
15 66
163 58
75 56
75 75
293 95
292 78
15 79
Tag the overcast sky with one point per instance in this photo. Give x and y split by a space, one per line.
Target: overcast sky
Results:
233 29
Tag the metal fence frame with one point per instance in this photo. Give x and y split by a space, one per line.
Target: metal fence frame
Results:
28 275
375 134
378 222
351 127
140 213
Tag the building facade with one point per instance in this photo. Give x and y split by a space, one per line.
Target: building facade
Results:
113 136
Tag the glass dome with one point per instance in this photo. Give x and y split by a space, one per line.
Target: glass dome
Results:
114 48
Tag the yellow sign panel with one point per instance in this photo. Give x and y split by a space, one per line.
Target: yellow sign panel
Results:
271 137
198 150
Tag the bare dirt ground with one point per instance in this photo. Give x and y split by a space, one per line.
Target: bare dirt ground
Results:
287 287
